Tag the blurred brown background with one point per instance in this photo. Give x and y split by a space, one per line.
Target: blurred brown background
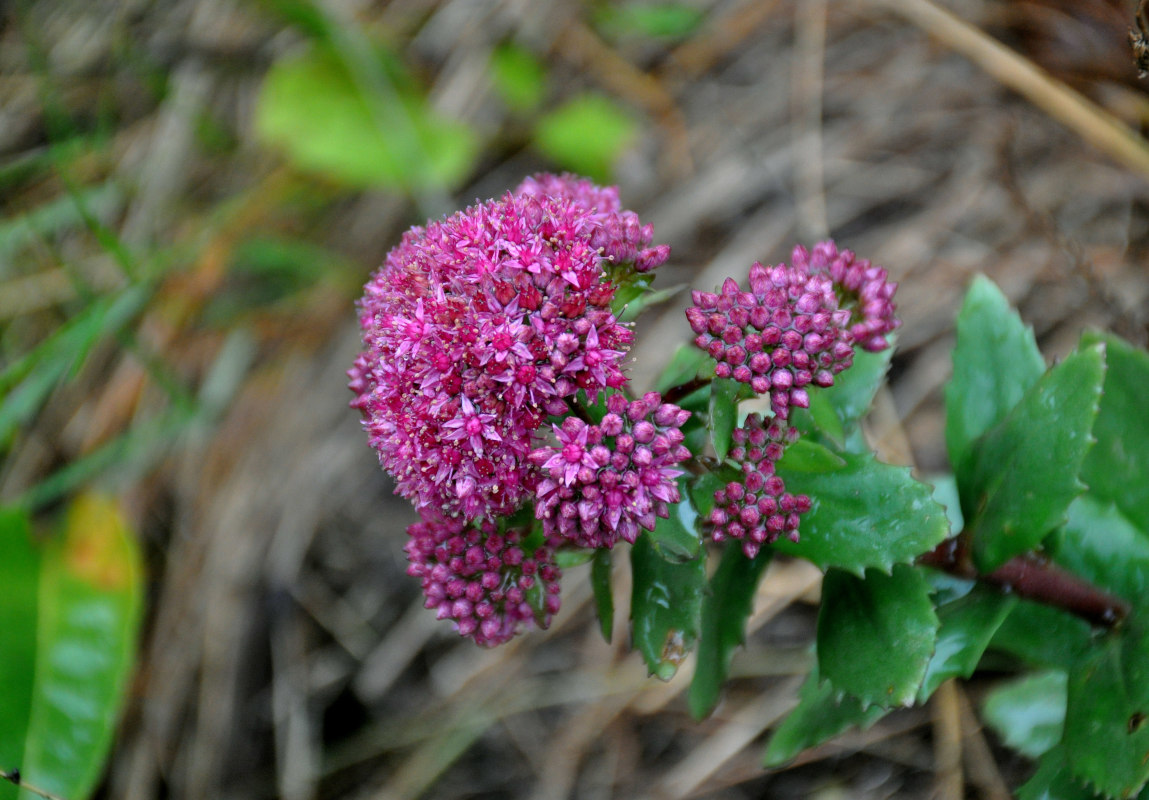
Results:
286 654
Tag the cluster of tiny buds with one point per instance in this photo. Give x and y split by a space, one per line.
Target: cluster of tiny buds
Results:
863 288
482 579
758 509
783 334
604 482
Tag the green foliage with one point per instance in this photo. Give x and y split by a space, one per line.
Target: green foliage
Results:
586 135
518 77
1028 713
724 396
676 538
600 574
876 634
356 120
70 613
665 607
968 624
653 20
687 363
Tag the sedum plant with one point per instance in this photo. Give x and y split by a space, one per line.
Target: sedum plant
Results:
492 384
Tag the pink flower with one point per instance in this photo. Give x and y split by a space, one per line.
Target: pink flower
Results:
605 482
482 579
758 509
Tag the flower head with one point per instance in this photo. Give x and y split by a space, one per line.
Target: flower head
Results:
482 579
604 482
758 509
862 288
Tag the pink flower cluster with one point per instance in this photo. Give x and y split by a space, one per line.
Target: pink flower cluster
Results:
478 326
604 482
862 288
482 579
758 510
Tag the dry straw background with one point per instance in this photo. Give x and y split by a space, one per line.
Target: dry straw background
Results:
285 653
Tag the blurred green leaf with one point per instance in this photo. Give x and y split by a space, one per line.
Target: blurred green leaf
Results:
1098 544
519 77
967 627
724 396
876 634
665 606
19 598
1028 713
1053 780
649 299
865 515
1042 636
676 538
1107 713
996 361
600 574
853 390
1117 467
725 610
654 20
88 615
366 134
819 716
685 365
586 135
807 456
1023 472
946 493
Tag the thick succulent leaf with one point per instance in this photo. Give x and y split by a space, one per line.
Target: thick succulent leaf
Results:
724 396
19 598
967 626
853 390
90 595
946 493
1028 713
1117 467
996 361
685 365
600 574
725 610
865 515
876 634
1053 780
819 716
1107 713
808 456
1099 544
665 606
677 538
1023 472
1042 636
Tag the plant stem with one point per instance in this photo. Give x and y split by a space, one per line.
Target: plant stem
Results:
1033 577
676 393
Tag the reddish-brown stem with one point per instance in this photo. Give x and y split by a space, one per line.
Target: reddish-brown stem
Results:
1032 577
676 393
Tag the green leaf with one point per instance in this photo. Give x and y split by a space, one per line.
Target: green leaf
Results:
1053 780
853 390
876 635
1028 713
703 487
1098 544
819 716
89 607
807 456
519 77
1106 731
656 20
865 515
19 597
996 361
569 557
684 366
676 538
967 626
1042 636
724 613
649 298
356 125
946 493
586 135
1023 472
724 396
1117 467
665 607
600 570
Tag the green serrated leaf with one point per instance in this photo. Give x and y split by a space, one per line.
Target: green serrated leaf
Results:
853 390
1028 713
1107 714
1053 780
996 361
519 77
865 515
1042 636
876 634
724 396
19 595
807 456
1023 472
724 613
1117 466
665 607
1100 545
946 493
360 127
600 574
89 603
684 366
586 135
819 716
967 626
